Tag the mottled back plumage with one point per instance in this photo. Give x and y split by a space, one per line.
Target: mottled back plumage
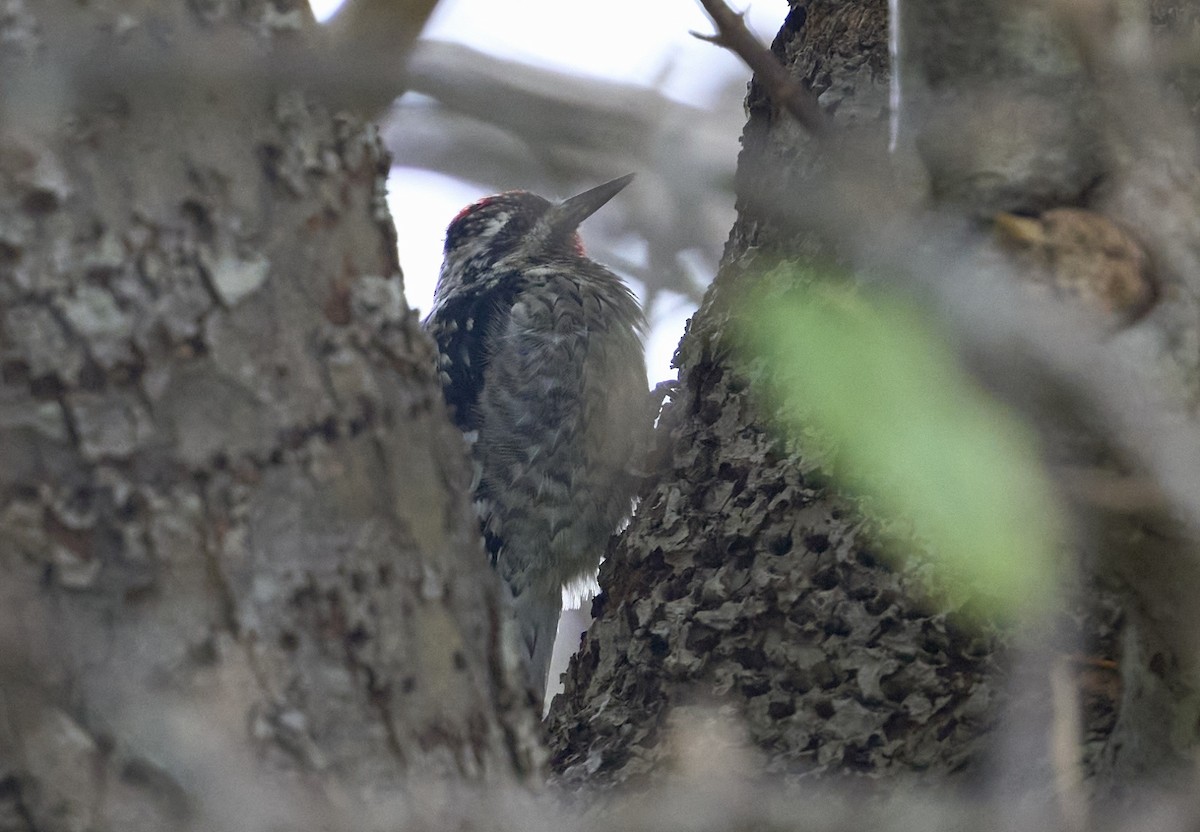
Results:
541 362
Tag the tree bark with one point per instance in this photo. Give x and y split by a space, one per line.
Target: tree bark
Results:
745 577
242 581
746 580
243 585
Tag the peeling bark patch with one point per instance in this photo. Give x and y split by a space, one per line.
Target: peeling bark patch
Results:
109 426
234 278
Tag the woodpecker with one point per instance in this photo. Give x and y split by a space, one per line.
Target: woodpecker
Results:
541 362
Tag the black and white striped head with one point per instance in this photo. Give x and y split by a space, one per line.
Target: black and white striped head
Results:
516 225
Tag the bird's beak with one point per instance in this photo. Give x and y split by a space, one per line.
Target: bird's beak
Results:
566 216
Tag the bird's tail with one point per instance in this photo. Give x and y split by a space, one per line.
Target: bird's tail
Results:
537 623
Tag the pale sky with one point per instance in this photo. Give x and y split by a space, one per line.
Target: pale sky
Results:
635 41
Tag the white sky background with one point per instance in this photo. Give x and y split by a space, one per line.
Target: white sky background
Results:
635 41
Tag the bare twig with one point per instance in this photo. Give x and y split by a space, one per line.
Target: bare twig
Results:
386 27
1065 743
793 96
504 124
1126 493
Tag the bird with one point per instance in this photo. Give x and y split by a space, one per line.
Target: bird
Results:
540 356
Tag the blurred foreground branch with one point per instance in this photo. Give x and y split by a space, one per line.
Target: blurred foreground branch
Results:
356 63
381 27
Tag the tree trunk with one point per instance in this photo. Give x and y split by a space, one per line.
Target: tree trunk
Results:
746 580
242 581
745 577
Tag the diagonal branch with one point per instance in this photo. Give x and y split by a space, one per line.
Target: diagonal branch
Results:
793 96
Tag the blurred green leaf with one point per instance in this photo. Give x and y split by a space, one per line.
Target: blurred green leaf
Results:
870 389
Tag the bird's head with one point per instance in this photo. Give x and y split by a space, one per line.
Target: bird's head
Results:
519 225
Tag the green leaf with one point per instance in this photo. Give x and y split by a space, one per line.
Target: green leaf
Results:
869 385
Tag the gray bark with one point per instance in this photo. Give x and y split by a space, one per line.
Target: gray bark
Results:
745 579
242 583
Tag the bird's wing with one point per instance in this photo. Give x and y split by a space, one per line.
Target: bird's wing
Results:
459 327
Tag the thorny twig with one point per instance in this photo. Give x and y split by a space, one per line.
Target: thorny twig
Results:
788 93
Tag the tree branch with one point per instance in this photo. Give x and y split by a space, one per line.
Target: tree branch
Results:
789 94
